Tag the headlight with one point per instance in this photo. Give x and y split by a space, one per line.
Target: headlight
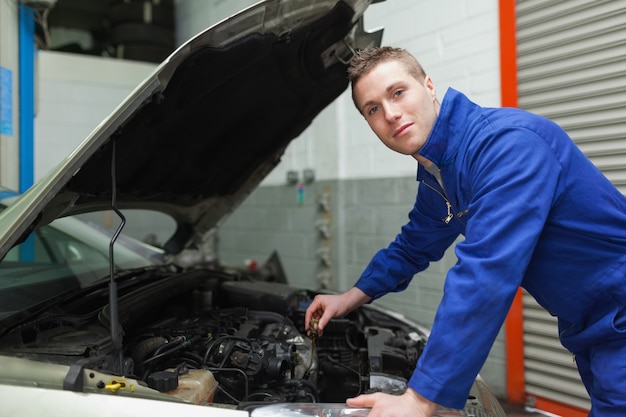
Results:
308 409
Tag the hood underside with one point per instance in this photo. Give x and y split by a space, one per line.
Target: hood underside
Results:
224 112
213 120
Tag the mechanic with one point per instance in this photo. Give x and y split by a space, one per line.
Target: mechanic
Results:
534 212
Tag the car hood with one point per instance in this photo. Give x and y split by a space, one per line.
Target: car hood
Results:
204 129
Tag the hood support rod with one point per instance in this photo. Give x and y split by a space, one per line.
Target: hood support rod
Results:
116 331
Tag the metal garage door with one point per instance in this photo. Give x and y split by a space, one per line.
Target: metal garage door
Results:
571 69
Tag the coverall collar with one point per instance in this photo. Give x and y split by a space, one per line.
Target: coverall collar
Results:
445 138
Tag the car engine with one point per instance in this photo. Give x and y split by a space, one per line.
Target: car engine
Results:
210 336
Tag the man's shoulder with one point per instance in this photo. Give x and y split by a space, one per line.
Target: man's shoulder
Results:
512 119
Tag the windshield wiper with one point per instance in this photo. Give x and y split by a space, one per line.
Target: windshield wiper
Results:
16 319
13 321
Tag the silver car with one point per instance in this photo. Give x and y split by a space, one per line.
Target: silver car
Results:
102 334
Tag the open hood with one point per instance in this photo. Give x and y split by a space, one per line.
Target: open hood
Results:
199 134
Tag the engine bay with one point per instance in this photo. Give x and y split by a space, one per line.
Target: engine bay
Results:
211 336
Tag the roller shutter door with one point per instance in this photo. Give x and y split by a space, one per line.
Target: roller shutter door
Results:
571 69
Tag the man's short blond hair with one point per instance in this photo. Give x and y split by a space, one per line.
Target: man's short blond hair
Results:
365 60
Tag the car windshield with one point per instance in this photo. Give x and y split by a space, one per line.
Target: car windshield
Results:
65 255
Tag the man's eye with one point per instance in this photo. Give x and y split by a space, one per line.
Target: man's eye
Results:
398 93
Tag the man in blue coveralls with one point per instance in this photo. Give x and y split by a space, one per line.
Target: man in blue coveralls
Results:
534 212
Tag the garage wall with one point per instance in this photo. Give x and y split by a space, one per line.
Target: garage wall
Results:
74 93
571 69
9 97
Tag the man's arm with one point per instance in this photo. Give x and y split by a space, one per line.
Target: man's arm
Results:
423 239
511 176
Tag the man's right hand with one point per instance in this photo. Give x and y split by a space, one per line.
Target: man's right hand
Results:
327 306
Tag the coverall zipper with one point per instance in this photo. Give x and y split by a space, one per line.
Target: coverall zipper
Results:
450 215
434 170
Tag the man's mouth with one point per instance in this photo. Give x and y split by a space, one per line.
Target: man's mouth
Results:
400 131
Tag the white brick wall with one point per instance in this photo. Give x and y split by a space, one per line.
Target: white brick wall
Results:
74 94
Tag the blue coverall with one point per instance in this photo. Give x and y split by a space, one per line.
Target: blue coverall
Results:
534 212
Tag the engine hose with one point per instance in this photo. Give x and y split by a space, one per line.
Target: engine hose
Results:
170 345
146 347
349 342
217 371
162 353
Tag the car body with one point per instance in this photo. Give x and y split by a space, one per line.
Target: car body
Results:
197 338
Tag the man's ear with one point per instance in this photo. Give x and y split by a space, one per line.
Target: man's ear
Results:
430 87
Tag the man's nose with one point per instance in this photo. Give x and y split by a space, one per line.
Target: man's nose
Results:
392 112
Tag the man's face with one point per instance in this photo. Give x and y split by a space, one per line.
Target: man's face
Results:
400 109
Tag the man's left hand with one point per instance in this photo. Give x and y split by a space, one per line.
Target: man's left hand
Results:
409 404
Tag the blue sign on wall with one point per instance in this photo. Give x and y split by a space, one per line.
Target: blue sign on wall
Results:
6 101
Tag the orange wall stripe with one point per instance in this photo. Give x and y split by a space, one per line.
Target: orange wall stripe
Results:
508 53
558 408
514 325
514 330
514 348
